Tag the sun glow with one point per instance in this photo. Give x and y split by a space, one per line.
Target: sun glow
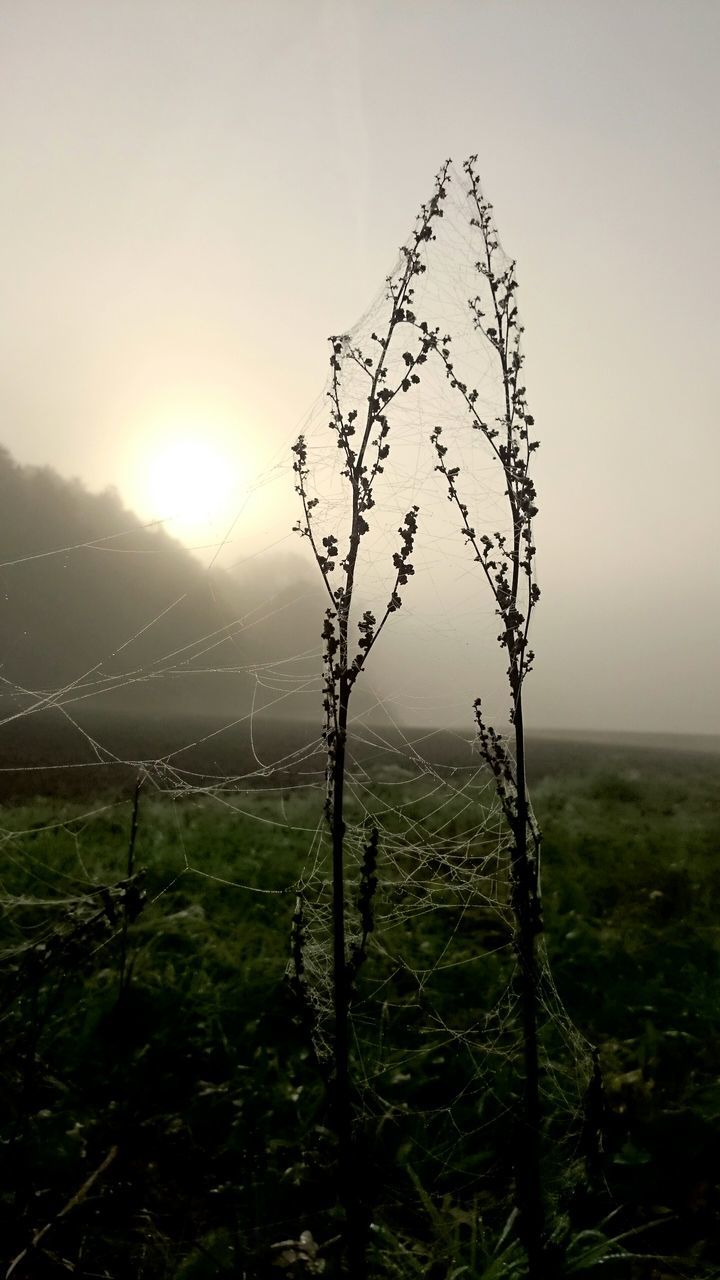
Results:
190 485
199 468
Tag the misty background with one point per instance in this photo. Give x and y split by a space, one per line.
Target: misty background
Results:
196 196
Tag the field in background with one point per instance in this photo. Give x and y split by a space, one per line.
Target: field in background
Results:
201 1077
48 754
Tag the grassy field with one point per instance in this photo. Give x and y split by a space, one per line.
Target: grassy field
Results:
195 1098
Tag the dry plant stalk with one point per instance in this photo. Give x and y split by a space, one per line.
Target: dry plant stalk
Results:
389 369
507 562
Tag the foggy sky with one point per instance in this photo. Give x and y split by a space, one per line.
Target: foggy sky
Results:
196 194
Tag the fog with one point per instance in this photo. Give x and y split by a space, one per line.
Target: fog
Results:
99 612
196 196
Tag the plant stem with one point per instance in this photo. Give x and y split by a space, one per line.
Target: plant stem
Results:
340 992
124 971
525 905
350 1177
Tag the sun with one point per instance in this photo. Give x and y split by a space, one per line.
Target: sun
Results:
189 484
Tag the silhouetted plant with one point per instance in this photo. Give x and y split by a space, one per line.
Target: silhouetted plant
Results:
366 898
388 369
129 902
507 562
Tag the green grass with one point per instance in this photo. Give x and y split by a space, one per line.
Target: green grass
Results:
203 1080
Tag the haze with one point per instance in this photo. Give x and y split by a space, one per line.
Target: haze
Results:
196 194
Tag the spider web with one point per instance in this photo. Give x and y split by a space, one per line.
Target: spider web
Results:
435 1013
437 1004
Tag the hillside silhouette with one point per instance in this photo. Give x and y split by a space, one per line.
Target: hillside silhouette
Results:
102 616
